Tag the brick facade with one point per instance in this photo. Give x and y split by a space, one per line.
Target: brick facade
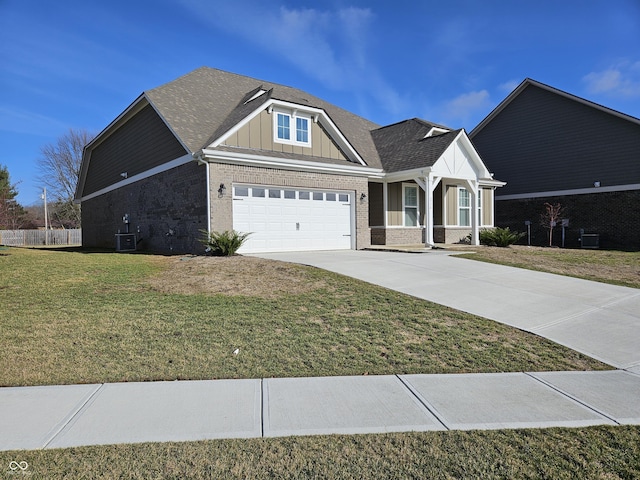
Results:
615 216
222 206
174 200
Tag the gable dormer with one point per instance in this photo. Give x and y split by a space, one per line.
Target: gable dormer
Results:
280 126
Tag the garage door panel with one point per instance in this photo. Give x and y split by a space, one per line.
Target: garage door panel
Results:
284 219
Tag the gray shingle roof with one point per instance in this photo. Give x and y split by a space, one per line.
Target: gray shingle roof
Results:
403 146
204 104
207 102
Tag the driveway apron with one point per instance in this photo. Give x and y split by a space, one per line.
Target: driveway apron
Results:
597 319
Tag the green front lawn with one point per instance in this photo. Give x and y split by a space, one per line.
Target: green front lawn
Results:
72 317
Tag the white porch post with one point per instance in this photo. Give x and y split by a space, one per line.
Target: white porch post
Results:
428 200
385 203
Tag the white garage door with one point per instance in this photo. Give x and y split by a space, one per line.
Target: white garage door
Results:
283 219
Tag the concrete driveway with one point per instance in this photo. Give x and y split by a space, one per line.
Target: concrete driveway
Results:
599 320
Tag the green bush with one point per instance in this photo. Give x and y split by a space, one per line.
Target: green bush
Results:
499 237
225 243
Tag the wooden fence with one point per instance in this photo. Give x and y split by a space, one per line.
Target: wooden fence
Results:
19 238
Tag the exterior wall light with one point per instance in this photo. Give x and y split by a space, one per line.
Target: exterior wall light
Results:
596 184
363 196
221 190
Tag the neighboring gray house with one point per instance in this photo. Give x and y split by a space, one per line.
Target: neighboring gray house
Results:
551 146
214 151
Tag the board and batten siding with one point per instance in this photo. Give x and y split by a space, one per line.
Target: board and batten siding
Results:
144 142
258 135
543 141
487 206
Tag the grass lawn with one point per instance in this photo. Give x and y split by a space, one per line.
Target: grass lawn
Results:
608 266
73 317
554 453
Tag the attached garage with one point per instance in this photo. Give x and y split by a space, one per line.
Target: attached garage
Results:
293 219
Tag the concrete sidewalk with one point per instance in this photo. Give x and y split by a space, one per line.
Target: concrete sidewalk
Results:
597 319
76 415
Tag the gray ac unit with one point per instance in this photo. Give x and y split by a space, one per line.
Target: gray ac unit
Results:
125 242
590 240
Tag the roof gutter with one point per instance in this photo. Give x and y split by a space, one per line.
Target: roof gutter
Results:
207 155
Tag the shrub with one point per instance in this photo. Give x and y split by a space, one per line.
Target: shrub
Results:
499 237
225 243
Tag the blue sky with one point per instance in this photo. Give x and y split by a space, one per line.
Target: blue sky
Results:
79 63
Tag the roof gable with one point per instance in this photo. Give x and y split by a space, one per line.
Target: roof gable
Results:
529 83
207 103
406 146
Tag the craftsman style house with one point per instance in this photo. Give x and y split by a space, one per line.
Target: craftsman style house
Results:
214 151
553 147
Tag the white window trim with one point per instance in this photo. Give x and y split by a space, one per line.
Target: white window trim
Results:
293 115
479 204
417 206
460 188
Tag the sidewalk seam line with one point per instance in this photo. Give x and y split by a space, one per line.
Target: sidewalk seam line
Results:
58 431
262 406
423 401
571 397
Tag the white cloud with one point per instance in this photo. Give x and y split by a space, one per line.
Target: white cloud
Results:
329 46
509 86
621 80
461 109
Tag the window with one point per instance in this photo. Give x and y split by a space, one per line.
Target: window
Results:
302 130
290 194
242 191
318 196
464 207
303 196
331 197
292 128
274 193
410 205
257 192
284 132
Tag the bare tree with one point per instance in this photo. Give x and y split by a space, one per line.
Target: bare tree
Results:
59 166
550 218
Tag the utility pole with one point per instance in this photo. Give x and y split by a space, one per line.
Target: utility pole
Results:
46 223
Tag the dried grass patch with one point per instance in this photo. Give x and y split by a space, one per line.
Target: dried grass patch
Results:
235 275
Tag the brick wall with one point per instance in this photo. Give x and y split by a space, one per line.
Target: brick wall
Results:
173 200
222 207
613 215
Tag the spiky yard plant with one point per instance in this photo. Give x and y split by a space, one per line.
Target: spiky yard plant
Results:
224 243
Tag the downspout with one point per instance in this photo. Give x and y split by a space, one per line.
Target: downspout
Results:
199 157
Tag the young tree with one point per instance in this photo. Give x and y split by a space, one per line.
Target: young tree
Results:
11 212
550 218
59 165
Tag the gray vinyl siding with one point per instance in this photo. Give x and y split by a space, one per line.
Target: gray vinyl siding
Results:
376 205
437 205
142 143
543 141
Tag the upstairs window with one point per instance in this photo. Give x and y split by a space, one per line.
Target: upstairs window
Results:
292 128
284 131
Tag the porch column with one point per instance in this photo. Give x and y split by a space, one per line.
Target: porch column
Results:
385 203
428 200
